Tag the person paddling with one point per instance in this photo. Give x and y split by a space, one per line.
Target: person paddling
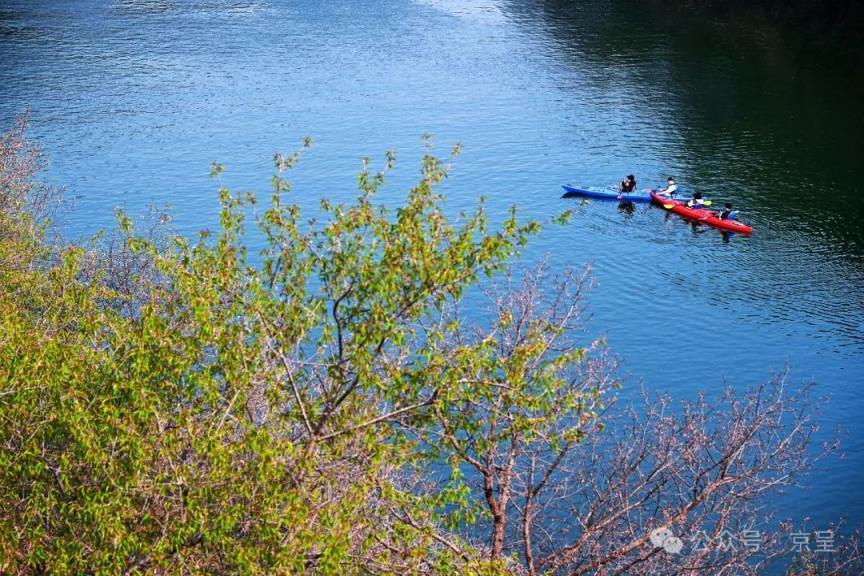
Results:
728 213
696 201
670 188
628 184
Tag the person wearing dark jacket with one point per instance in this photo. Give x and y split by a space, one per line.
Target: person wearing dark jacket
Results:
628 184
728 213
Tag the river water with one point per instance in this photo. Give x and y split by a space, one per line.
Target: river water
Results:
132 100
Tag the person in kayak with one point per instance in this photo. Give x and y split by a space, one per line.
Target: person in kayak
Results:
696 201
728 213
670 188
628 184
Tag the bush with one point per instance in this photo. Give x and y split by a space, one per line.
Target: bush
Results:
169 407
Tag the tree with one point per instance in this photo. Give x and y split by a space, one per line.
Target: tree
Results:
564 484
235 418
180 406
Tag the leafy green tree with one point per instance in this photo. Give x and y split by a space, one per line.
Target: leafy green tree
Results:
237 418
177 406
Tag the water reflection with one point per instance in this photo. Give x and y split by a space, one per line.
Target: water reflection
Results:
739 99
626 208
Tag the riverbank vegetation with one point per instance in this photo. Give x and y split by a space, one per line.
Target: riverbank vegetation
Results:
173 405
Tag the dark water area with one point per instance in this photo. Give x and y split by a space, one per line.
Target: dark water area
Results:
132 101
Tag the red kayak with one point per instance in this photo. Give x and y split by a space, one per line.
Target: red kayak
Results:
709 217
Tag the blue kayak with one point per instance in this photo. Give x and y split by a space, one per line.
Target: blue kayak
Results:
607 193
